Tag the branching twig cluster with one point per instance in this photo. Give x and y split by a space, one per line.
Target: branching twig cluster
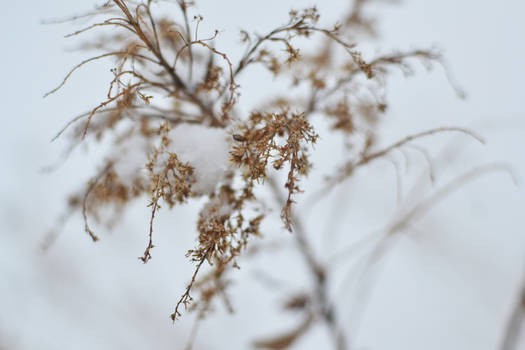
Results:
169 84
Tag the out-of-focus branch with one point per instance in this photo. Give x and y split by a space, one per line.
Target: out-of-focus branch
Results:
327 312
516 322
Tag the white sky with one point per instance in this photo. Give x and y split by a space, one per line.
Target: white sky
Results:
449 286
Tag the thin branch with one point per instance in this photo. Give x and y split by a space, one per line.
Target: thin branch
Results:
80 65
367 158
327 311
184 7
108 22
516 322
105 103
90 188
155 205
186 297
424 206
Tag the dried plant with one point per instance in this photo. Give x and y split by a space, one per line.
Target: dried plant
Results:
171 111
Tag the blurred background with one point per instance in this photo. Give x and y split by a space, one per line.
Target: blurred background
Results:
452 282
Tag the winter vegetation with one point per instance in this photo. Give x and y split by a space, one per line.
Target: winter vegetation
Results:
267 177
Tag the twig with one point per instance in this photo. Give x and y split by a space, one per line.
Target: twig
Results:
186 297
516 322
327 311
367 158
155 205
91 186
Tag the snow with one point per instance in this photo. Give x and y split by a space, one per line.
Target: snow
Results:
130 158
206 149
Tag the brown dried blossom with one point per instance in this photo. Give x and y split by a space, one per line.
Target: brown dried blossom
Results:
280 138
